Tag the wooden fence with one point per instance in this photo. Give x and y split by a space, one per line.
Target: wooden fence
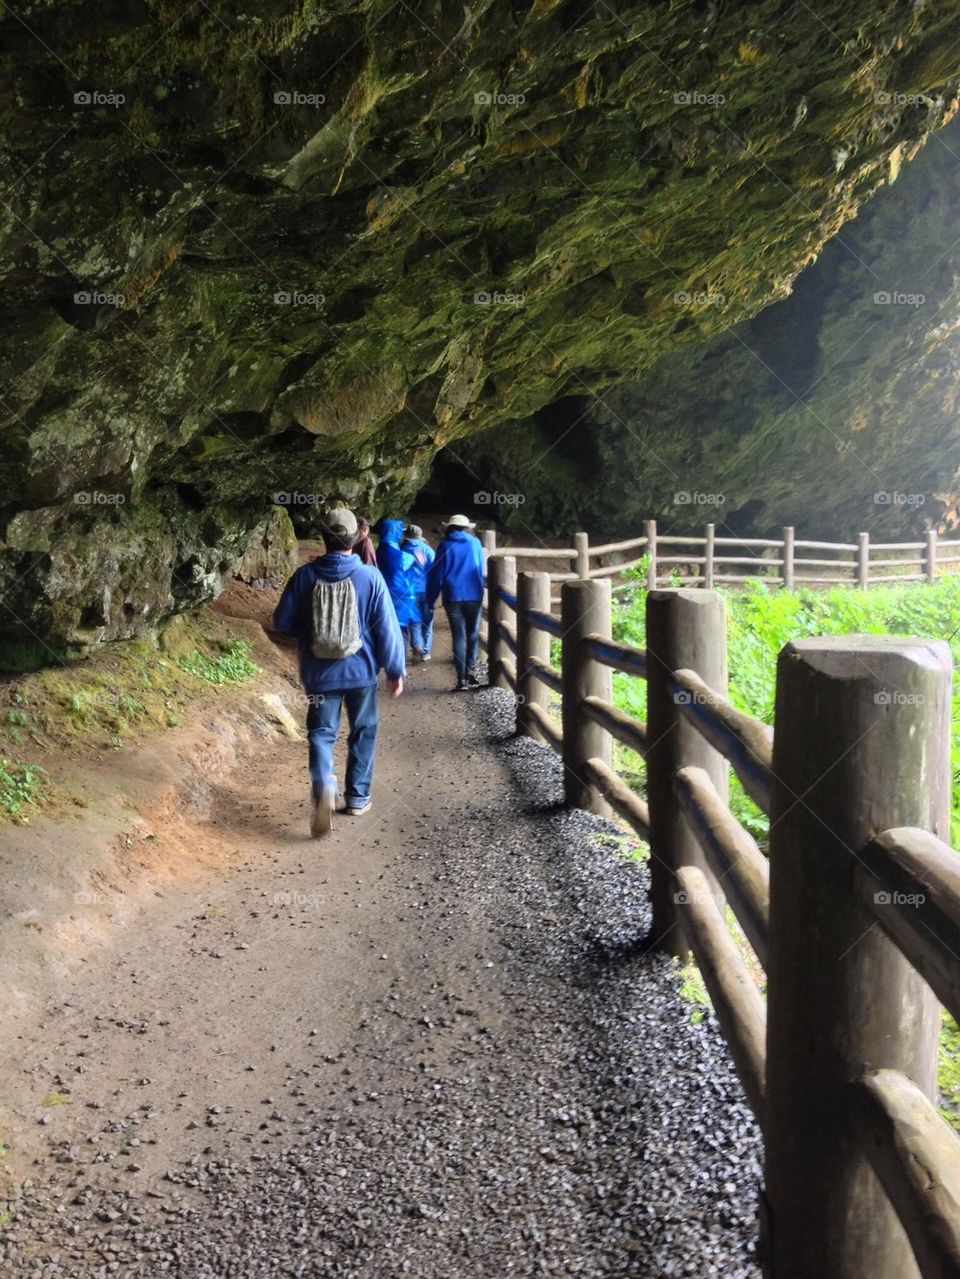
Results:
710 560
854 915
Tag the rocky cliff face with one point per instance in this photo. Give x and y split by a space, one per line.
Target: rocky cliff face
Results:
272 252
835 410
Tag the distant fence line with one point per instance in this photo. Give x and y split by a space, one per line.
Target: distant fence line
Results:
854 915
707 561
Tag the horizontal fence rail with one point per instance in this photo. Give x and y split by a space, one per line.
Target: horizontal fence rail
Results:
707 561
846 761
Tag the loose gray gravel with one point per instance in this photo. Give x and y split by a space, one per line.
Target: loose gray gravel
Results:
575 1122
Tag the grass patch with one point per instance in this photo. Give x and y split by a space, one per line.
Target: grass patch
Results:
21 786
230 666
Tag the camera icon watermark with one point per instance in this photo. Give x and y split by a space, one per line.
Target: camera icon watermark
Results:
87 497
893 497
893 297
285 497
696 98
93 298
97 98
296 298
884 898
483 498
884 98
700 297
688 497
494 98
893 697
496 298
294 98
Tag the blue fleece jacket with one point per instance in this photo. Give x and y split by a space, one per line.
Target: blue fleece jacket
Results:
458 571
424 555
395 565
382 645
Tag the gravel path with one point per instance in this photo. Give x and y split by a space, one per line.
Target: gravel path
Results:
524 1094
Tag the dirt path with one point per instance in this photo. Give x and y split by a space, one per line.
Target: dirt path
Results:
398 1028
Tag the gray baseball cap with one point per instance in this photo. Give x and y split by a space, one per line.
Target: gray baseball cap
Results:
340 521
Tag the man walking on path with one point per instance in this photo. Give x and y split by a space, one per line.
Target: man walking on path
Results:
342 616
395 565
421 631
458 575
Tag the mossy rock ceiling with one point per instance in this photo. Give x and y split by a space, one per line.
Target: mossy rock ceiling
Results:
288 293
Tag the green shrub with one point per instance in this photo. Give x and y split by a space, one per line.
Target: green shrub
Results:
20 784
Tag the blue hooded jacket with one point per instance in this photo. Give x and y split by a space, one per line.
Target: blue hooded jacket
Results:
382 646
395 565
458 571
424 555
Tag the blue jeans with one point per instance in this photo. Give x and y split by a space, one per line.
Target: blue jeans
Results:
323 725
464 616
421 633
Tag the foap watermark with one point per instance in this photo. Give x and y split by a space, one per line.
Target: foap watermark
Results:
289 897
691 697
483 498
697 98
499 299
893 497
893 297
893 697
884 98
92 298
701 297
684 897
92 897
693 497
98 98
283 497
494 98
295 298
294 98
884 898
94 497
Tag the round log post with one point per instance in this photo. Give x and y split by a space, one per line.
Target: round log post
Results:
581 544
863 561
931 555
501 572
650 533
788 552
584 610
533 592
685 628
708 553
861 745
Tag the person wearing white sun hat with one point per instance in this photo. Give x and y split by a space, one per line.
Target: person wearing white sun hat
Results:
458 576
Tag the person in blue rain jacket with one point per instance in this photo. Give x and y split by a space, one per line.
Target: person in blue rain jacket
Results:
345 682
395 564
458 576
421 631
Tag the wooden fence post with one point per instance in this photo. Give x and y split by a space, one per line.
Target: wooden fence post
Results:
685 628
931 556
650 533
788 553
863 561
533 592
584 610
489 540
501 572
861 745
708 550
581 543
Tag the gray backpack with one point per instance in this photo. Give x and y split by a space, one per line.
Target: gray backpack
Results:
336 620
